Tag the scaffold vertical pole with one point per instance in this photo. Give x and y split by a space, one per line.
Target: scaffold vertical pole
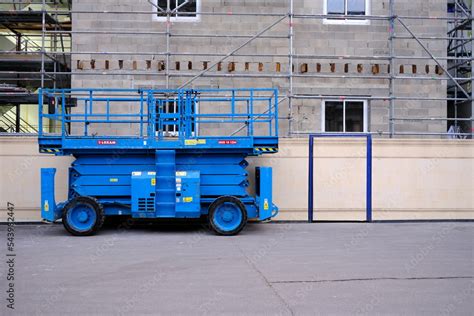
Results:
290 66
43 30
472 71
392 71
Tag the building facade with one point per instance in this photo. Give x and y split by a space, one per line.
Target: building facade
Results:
339 65
353 69
390 67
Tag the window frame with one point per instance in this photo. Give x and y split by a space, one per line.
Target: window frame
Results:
348 21
365 123
196 18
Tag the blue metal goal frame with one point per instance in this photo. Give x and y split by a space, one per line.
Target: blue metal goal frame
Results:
368 196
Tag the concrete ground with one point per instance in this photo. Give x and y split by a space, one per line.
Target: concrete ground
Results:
269 269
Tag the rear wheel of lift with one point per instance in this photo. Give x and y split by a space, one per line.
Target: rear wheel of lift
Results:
227 216
83 216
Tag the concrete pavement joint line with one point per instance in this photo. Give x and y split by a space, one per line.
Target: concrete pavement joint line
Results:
268 284
302 221
374 279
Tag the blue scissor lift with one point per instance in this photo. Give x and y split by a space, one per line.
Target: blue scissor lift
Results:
158 154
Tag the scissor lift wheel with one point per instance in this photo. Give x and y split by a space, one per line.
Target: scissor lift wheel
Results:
83 216
227 216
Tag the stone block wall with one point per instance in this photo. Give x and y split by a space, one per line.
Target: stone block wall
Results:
138 59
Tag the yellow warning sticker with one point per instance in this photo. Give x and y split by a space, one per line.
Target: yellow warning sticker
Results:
194 142
190 142
187 199
46 206
153 181
113 179
265 204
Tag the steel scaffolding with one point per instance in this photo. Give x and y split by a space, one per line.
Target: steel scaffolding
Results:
455 67
460 44
37 59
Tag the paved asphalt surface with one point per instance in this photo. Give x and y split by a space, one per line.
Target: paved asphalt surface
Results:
269 269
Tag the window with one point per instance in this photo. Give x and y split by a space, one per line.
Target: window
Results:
348 116
349 8
18 118
180 10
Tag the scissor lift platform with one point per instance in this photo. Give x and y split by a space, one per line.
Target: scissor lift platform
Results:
159 154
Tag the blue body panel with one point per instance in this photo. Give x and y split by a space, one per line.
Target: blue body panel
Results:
264 193
49 211
143 194
188 195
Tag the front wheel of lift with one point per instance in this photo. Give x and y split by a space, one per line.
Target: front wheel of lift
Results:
83 216
227 216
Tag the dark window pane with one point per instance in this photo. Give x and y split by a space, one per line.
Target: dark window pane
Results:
354 116
334 116
172 5
189 7
170 108
336 6
163 4
356 7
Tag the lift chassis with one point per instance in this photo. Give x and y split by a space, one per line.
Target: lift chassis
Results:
150 154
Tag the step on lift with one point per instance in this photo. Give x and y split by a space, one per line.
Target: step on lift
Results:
158 154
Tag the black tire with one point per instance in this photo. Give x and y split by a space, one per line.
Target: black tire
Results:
239 206
90 203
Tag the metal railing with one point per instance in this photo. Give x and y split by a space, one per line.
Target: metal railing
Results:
90 112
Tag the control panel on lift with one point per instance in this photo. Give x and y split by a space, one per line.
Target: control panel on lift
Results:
188 195
144 195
